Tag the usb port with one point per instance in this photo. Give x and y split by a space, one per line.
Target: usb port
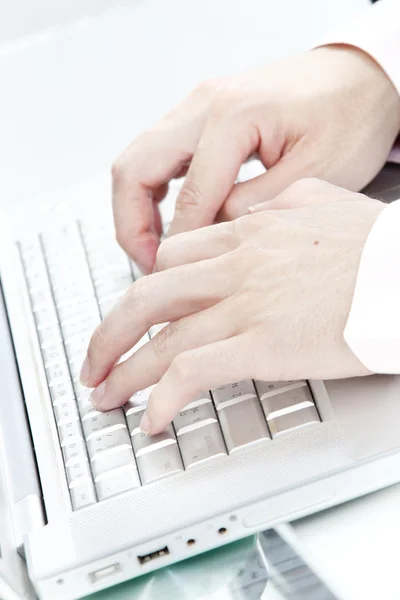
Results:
152 555
105 572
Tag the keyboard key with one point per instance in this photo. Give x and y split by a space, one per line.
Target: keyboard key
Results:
108 303
83 495
79 325
78 472
290 421
45 315
287 401
53 353
69 431
270 388
116 482
108 440
201 398
133 419
61 388
86 408
75 365
233 392
75 306
194 416
111 460
58 371
138 401
96 422
243 424
82 393
202 444
74 451
48 336
78 343
110 287
143 443
36 275
107 265
160 463
41 297
66 411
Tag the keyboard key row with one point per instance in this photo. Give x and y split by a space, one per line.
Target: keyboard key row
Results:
106 453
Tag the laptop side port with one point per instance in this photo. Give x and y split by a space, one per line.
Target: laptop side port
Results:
100 574
145 558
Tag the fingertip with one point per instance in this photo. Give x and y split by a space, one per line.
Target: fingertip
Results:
84 376
143 251
258 207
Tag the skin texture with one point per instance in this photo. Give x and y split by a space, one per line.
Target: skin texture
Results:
331 113
265 296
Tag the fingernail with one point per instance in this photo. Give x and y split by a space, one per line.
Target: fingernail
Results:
256 207
97 396
85 372
145 424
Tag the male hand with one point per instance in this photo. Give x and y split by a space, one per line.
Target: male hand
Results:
332 113
265 296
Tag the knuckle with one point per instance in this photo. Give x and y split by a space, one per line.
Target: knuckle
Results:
119 376
160 343
164 253
190 196
183 368
98 341
245 227
117 168
124 165
123 235
139 294
226 101
305 185
208 87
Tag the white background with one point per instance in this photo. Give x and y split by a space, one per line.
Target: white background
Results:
72 98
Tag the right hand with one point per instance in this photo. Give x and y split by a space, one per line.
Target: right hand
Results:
265 296
332 113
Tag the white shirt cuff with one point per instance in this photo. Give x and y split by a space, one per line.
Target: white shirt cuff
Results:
376 31
373 327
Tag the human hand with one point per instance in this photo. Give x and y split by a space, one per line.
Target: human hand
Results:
265 296
331 113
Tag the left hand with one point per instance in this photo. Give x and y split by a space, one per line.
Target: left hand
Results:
265 297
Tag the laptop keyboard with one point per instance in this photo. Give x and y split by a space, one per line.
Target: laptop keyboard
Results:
74 275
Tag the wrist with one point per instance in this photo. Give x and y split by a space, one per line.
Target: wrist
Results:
368 83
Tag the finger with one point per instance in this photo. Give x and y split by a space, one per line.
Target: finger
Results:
204 368
224 145
147 165
160 193
149 363
304 192
201 244
157 222
265 187
158 298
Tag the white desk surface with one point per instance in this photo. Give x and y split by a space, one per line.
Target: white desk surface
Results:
73 97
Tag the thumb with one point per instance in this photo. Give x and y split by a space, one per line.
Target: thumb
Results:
258 192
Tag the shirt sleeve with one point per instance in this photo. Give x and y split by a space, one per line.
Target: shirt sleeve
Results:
376 31
373 327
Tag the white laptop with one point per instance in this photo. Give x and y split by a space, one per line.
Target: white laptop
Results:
87 500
